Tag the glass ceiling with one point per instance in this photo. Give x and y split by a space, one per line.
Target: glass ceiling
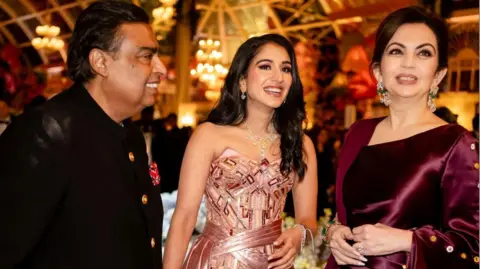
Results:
229 21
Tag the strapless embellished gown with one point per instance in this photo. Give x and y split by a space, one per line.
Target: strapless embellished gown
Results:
244 201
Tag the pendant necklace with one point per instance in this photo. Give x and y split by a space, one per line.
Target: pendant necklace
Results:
263 143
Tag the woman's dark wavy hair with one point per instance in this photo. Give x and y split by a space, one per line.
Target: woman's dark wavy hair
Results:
97 27
287 119
407 15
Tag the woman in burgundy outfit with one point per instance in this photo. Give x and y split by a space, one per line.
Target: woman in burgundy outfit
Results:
407 184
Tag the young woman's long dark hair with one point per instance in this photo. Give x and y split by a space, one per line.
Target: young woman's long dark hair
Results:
287 119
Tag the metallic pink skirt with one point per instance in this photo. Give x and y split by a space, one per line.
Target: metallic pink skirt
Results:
214 244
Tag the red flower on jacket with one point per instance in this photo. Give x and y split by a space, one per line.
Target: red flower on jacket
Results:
154 174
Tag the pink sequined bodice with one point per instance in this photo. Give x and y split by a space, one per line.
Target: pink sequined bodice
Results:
240 196
244 201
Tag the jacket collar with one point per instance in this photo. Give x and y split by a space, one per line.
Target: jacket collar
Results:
95 112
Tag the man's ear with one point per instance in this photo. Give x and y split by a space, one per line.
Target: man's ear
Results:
99 61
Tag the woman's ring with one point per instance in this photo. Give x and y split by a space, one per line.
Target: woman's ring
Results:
360 249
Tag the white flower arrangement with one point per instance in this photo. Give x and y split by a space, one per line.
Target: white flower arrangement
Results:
169 202
311 258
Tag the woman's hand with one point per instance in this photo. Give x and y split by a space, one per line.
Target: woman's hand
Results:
289 242
342 252
379 239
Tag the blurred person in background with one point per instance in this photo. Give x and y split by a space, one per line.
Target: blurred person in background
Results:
475 126
446 114
169 148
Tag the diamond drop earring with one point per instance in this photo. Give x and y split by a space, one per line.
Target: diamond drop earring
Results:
384 98
243 95
431 98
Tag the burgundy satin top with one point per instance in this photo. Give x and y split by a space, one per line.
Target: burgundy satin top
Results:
427 183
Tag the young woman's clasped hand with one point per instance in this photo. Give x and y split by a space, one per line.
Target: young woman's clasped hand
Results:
287 246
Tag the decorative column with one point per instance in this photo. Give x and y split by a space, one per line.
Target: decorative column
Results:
473 69
182 51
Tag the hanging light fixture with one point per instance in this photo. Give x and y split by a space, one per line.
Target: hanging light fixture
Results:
209 69
48 38
163 17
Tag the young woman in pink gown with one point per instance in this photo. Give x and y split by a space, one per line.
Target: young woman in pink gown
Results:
407 184
245 159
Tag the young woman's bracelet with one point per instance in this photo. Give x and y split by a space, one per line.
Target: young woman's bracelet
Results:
304 235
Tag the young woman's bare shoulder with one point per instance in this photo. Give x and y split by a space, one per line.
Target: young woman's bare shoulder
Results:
308 146
204 131
210 133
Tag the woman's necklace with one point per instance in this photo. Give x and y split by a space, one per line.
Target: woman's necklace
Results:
264 143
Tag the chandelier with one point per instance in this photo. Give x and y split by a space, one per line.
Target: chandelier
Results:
162 17
209 69
48 38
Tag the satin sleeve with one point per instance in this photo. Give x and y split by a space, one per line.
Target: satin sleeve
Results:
455 244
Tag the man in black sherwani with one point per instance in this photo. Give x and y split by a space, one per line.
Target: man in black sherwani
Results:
75 189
